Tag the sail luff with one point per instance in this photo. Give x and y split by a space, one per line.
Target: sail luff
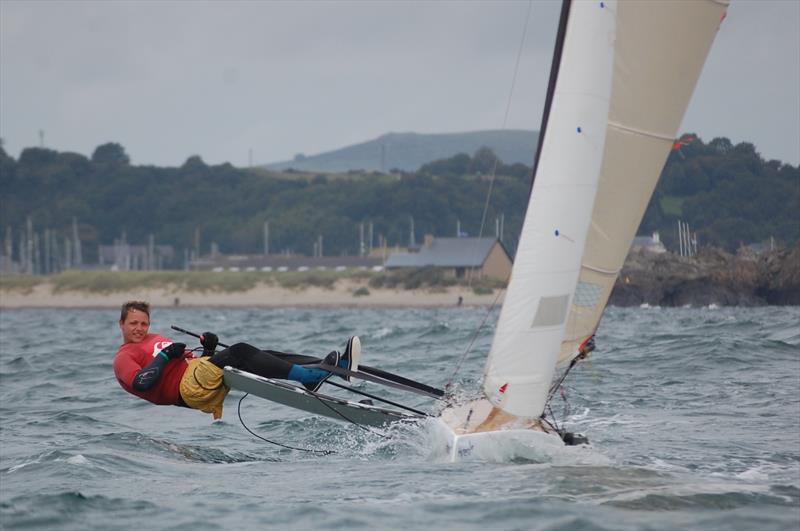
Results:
558 52
546 268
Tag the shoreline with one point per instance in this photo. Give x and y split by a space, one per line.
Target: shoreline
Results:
341 295
653 279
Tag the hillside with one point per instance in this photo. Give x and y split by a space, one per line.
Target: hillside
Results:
728 194
409 151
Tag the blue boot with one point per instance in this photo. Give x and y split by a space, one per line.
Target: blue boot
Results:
330 359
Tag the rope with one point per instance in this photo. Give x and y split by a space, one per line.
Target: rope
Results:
449 383
322 452
552 416
254 434
489 196
503 128
347 419
585 349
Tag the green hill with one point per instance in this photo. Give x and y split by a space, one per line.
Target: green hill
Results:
727 193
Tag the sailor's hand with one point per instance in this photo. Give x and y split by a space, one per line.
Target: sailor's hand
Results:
209 341
175 350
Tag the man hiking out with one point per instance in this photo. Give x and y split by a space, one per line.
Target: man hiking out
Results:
155 368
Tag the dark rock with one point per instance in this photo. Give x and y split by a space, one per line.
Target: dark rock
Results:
712 277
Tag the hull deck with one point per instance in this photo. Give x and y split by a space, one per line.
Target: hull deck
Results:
296 397
477 430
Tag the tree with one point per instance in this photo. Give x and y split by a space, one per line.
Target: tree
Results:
8 166
721 145
110 153
194 163
457 165
725 197
34 156
517 169
483 161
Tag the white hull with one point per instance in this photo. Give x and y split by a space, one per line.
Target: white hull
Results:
499 446
282 392
478 431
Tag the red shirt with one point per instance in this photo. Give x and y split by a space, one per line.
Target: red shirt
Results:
132 357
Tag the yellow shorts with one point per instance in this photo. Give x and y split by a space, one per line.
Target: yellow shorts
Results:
202 387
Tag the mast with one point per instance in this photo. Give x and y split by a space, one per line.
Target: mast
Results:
551 84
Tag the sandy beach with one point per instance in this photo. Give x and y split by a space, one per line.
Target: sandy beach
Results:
342 294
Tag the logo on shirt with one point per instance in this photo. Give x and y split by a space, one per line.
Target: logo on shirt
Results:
158 346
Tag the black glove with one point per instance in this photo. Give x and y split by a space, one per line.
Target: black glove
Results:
209 341
175 350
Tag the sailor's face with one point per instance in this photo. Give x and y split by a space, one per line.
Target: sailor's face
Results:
135 326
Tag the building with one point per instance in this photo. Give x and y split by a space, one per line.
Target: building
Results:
648 243
459 257
759 247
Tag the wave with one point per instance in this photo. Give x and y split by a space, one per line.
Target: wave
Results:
72 509
141 448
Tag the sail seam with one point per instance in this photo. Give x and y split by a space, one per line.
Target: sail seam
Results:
635 131
602 271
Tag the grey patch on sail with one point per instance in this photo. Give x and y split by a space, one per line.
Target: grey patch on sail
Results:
587 294
551 311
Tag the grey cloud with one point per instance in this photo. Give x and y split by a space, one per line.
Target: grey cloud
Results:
176 78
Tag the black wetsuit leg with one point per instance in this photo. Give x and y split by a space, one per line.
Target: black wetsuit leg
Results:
266 363
298 359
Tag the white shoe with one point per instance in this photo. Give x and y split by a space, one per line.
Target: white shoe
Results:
352 356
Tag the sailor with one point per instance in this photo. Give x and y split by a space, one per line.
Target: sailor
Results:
155 368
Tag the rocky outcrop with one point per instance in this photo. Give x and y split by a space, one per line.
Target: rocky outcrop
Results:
712 277
784 278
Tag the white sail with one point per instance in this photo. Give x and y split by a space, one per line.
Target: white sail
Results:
660 50
628 70
531 325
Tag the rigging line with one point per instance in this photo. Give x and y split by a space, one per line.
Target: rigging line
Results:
489 195
502 128
553 416
543 418
347 419
571 327
585 349
557 385
384 400
254 434
567 408
449 383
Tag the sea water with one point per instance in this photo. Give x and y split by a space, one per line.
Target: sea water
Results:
693 417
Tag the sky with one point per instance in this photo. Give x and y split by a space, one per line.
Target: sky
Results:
259 81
